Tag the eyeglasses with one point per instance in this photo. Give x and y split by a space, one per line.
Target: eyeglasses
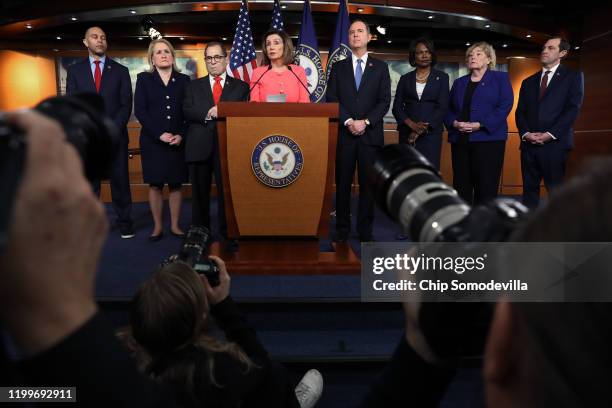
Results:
216 58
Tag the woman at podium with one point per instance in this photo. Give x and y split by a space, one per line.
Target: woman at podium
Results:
278 80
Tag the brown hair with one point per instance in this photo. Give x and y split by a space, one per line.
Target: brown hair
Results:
168 321
287 47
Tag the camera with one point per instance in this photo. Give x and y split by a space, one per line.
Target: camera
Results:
87 129
194 252
410 191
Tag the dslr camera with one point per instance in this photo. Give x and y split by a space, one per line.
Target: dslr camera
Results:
86 127
194 252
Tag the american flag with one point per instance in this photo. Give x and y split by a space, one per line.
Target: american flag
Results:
277 17
242 58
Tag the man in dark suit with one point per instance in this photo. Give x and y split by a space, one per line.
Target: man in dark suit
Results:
548 105
111 81
362 86
202 144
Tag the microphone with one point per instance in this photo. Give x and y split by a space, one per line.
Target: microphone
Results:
262 75
299 80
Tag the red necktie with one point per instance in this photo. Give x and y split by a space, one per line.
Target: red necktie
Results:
97 76
217 89
544 84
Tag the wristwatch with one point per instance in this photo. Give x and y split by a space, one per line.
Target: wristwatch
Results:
367 122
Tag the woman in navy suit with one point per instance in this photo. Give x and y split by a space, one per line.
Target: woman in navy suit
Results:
421 101
158 107
477 129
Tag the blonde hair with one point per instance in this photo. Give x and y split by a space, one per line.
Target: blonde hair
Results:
487 49
150 54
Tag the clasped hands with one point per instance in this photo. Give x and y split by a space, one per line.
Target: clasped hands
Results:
466 127
537 138
418 129
172 140
357 127
211 114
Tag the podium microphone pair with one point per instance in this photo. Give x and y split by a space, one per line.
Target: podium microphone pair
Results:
290 70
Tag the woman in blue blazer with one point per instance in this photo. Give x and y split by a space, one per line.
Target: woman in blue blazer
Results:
477 129
421 101
158 106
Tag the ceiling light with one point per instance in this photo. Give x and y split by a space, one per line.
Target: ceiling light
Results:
132 11
140 38
505 45
467 44
224 38
528 36
182 38
58 37
382 30
29 26
284 6
430 17
73 18
360 10
577 47
487 25
389 41
205 7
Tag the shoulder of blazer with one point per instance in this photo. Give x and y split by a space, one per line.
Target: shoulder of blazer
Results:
144 75
438 73
115 64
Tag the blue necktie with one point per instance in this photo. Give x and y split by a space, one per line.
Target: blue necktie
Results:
358 73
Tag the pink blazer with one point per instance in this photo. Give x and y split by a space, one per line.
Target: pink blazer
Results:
279 83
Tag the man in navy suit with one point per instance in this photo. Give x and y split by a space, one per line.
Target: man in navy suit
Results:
548 105
362 87
202 144
111 81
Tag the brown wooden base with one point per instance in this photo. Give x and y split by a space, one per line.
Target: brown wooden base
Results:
287 257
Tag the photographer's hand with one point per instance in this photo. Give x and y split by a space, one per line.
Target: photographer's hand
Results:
219 293
57 232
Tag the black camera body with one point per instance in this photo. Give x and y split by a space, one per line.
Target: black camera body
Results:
87 129
194 252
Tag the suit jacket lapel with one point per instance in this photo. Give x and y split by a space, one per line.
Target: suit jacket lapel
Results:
554 80
207 91
431 82
106 74
368 66
86 72
227 89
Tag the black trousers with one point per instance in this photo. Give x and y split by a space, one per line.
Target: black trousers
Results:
201 174
120 187
477 168
541 162
352 152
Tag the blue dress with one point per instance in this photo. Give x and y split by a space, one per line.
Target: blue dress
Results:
158 108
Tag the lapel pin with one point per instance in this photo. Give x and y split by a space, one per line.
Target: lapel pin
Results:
173 79
370 65
437 78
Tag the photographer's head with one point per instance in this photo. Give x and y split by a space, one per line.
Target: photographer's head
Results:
170 309
556 354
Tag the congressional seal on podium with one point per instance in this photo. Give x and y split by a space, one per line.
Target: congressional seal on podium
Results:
277 161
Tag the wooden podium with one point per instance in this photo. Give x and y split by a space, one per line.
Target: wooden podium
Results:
277 164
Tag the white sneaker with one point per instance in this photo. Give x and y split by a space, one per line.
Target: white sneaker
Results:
310 388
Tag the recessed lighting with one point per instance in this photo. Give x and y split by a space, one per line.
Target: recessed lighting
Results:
360 10
467 44
528 36
140 38
487 25
381 29
430 17
205 7
577 47
29 26
284 6
182 38
389 41
132 11
224 38
58 37
73 18
55 49
505 45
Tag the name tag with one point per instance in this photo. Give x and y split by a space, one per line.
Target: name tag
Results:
276 98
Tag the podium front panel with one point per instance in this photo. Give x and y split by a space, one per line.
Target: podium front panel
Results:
293 210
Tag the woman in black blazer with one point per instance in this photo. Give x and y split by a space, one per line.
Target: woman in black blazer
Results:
420 104
158 106
421 101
